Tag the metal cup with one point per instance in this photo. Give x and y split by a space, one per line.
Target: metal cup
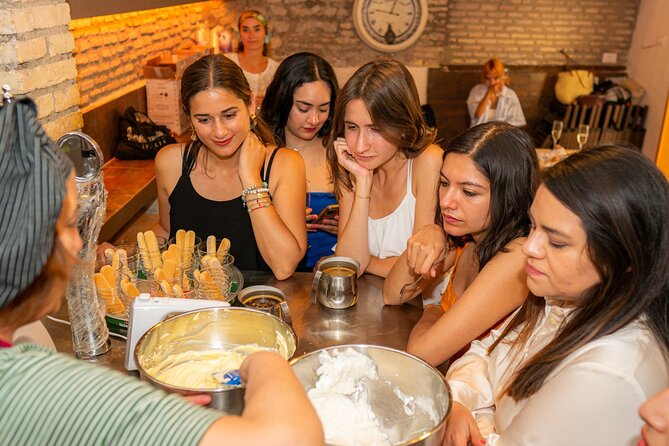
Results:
268 299
335 283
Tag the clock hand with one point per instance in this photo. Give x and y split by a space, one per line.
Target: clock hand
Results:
393 7
390 35
386 12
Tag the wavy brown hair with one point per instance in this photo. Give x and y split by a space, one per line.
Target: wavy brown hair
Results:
389 92
622 200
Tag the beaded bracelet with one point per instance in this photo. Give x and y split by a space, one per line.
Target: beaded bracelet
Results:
256 191
250 189
259 205
258 196
253 201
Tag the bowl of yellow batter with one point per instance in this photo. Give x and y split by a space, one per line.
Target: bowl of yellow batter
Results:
183 354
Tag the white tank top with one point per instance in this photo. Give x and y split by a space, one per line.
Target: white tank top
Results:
388 235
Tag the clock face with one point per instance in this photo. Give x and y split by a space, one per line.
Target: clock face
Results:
390 25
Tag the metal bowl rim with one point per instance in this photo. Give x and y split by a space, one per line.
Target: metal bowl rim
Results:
189 390
259 288
343 259
382 347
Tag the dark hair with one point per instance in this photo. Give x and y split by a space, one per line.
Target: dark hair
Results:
217 71
293 72
388 91
505 155
622 200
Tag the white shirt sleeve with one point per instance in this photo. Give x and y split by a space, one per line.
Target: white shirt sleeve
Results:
571 409
475 95
508 107
469 377
511 109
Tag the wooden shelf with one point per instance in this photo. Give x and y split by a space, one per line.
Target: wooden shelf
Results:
131 186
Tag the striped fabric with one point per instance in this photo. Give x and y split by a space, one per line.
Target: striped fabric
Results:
33 173
50 399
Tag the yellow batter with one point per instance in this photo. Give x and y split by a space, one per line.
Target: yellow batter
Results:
193 369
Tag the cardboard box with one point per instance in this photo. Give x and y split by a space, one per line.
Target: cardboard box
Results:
163 89
169 66
164 104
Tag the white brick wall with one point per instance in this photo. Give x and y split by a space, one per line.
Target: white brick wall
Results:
36 60
37 15
30 49
462 32
110 50
531 32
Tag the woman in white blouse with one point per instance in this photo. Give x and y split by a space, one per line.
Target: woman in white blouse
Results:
492 100
574 363
254 35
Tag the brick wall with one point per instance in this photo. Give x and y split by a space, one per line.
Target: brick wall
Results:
462 32
110 50
36 60
326 28
531 32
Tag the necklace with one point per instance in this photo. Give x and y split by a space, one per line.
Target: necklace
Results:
300 148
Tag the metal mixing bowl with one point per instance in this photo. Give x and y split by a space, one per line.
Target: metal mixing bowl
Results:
397 370
208 329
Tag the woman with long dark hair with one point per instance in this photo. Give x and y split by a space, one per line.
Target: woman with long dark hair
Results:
231 180
298 109
591 342
488 178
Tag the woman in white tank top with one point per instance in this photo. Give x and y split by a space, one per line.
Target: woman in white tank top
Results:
384 165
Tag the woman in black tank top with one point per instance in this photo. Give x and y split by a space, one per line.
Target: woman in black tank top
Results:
220 184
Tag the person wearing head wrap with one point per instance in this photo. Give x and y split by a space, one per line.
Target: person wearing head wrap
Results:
251 55
50 398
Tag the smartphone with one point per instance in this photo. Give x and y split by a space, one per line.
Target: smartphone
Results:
329 212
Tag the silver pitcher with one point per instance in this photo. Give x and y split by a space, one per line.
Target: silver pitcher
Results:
335 283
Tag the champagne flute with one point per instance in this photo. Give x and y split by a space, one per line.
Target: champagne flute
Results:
556 132
582 135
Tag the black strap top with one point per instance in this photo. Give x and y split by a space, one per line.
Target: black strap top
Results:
191 211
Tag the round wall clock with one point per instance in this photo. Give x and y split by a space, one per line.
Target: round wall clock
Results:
390 25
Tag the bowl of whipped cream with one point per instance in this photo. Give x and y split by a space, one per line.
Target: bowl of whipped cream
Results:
368 394
194 352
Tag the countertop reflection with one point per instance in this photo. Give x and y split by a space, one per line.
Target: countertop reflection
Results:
368 322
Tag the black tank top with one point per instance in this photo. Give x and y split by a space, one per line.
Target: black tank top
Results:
191 211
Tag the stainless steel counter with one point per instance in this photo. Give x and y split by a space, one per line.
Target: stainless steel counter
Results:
368 322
